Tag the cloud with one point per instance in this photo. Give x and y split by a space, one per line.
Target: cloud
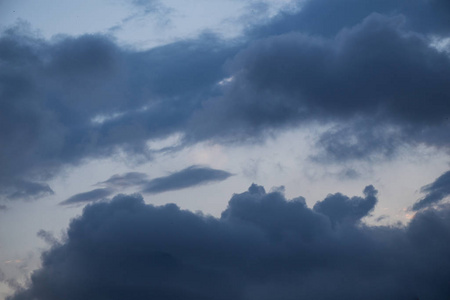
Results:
262 247
342 209
76 98
370 71
186 178
125 180
27 190
94 195
359 79
423 16
47 237
189 177
154 9
435 192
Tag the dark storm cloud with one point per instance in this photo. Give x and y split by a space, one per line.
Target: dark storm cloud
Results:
369 70
71 99
435 192
381 83
189 177
94 195
328 17
262 247
21 189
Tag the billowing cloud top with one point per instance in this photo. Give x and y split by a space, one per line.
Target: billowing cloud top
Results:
262 247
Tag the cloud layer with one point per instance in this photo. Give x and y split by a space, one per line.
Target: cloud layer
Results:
262 247
371 71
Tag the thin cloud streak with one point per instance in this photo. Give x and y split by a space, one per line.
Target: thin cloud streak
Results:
189 177
91 196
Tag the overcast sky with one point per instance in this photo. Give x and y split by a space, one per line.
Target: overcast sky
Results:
224 149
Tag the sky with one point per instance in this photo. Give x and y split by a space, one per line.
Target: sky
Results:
252 149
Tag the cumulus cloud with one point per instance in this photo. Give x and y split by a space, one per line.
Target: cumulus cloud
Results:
435 192
340 208
262 247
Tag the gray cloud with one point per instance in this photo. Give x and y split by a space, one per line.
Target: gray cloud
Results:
435 192
189 177
262 247
186 178
21 189
47 237
370 71
125 180
381 83
94 195
327 18
71 99
342 209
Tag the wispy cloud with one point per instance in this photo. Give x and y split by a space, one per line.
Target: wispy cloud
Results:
189 177
186 178
94 195
435 192
125 180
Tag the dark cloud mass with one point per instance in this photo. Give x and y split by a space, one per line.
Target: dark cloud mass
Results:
370 70
340 208
327 18
71 99
377 71
189 177
262 247
435 192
